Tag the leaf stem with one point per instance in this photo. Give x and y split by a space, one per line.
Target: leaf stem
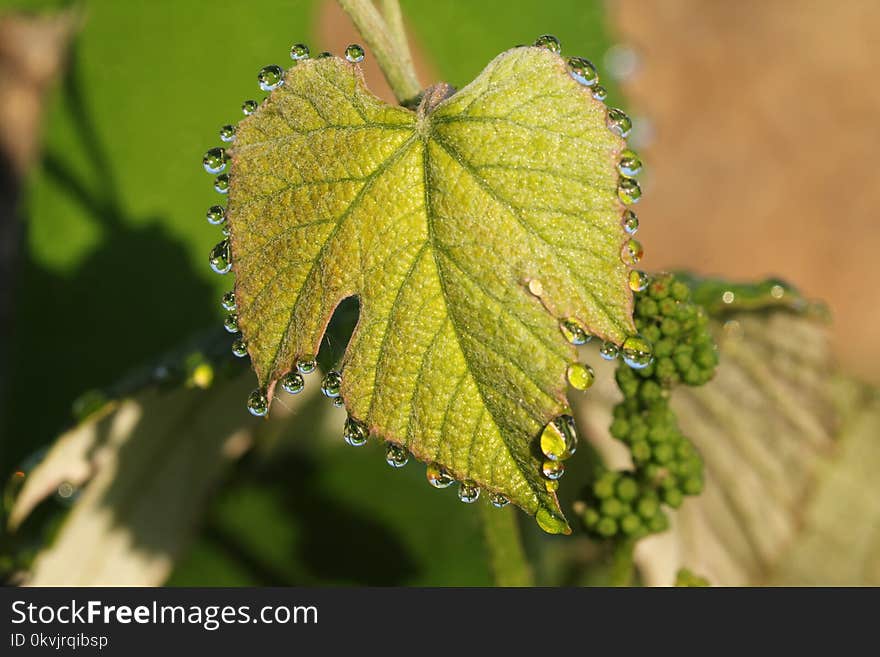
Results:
507 557
622 563
396 66
394 20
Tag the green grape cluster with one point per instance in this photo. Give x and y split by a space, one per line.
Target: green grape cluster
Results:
666 465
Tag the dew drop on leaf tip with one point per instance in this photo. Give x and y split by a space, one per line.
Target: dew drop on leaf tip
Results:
331 384
354 53
216 215
306 364
299 51
638 280
499 500
573 331
239 347
618 122
468 492
355 433
609 350
580 376
438 477
549 42
600 93
630 222
270 77
553 469
220 258
559 438
632 252
395 455
293 383
628 191
230 323
630 164
258 403
249 107
214 160
221 184
227 133
637 352
583 71
228 301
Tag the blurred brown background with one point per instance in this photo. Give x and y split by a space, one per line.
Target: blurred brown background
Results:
765 120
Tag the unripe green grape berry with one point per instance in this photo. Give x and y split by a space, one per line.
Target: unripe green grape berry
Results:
672 497
630 524
612 507
620 429
692 486
662 453
659 288
603 488
606 527
647 507
668 307
658 523
647 308
627 489
651 391
670 327
638 431
591 518
663 348
679 291
641 452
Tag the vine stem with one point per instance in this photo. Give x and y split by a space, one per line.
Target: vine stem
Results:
396 65
622 563
394 20
507 557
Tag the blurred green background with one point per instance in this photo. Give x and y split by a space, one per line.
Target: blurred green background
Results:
113 270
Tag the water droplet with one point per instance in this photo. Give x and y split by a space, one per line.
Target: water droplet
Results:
468 492
499 500
630 164
270 77
354 53
355 433
324 55
216 215
609 350
258 403
239 347
580 376
228 301
221 184
600 93
306 365
293 383
638 280
230 323
227 133
338 402
777 291
573 331
249 107
536 287
553 469
214 160
395 455
583 71
299 51
559 438
331 384
438 477
632 252
630 222
224 230
628 191
549 42
220 258
637 352
618 122
728 297
66 493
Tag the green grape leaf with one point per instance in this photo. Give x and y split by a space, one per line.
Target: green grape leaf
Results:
468 228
